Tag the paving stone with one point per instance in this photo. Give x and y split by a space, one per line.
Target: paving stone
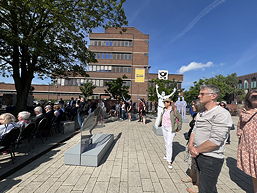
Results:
134 179
75 175
161 171
123 187
46 185
135 164
147 185
124 175
81 183
133 189
64 189
55 187
116 171
100 187
168 186
157 187
33 186
106 172
90 185
154 177
66 174
114 185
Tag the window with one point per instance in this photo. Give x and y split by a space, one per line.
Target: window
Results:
246 84
253 83
101 83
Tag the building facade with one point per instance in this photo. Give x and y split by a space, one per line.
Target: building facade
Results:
119 52
248 81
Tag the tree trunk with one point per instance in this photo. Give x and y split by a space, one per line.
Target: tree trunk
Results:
22 90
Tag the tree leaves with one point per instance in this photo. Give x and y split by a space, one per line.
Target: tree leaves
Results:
117 89
87 89
164 85
227 85
48 37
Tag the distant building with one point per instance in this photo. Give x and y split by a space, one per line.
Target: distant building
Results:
248 81
119 51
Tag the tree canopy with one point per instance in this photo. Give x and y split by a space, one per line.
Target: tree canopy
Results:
227 85
164 85
117 89
48 37
87 89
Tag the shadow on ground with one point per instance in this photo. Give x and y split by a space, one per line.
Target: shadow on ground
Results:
110 149
10 181
239 177
177 148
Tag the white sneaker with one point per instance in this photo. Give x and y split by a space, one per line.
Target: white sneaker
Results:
170 166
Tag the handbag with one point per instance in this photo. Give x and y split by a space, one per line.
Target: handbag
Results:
186 136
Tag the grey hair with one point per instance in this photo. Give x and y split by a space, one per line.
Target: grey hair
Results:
38 109
214 89
24 115
48 107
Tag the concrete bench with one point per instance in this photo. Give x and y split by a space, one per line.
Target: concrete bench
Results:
68 126
92 155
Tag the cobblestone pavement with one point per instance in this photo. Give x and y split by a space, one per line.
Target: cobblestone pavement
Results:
134 164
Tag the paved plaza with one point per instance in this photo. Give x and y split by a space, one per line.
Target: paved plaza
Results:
134 164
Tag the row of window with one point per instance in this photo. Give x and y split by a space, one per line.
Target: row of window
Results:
104 68
81 81
113 56
152 84
117 43
246 85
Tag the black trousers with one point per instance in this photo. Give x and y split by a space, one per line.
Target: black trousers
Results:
209 170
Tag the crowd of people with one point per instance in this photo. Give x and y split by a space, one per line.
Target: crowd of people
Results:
74 110
208 134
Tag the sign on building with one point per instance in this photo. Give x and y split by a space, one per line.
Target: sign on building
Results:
139 75
163 74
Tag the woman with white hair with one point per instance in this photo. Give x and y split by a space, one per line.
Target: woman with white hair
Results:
7 123
23 118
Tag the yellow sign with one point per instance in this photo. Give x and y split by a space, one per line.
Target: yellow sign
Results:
139 75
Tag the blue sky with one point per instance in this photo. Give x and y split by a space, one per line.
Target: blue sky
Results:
198 38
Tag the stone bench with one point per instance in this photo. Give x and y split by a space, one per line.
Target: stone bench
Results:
68 126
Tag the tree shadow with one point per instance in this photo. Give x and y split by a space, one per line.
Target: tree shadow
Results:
8 178
239 177
105 157
177 148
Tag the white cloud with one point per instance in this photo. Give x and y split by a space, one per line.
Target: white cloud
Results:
202 13
194 66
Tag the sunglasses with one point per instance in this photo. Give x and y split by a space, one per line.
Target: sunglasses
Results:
253 97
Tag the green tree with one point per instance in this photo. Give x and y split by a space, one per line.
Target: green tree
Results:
227 85
117 89
47 38
87 89
164 85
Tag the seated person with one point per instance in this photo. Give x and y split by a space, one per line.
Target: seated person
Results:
39 115
23 118
49 115
7 123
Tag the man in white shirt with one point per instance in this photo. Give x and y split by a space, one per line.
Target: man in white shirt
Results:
208 139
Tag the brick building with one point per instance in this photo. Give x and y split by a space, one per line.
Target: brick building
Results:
248 81
118 52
